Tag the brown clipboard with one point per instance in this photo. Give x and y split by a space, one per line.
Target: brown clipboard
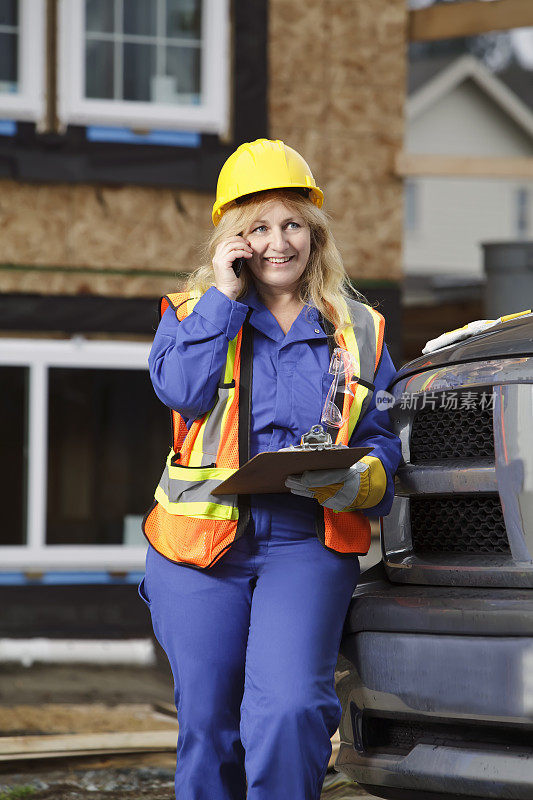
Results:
266 472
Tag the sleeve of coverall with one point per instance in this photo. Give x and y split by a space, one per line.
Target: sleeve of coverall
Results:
377 484
187 357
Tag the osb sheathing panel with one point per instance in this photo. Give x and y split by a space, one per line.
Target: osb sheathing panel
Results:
136 227
337 93
48 281
141 230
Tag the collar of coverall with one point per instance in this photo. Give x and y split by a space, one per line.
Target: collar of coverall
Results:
307 326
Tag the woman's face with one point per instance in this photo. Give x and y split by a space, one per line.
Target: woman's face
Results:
281 241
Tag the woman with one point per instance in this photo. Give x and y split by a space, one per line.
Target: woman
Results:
248 594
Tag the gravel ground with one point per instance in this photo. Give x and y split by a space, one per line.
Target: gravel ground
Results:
152 783
145 783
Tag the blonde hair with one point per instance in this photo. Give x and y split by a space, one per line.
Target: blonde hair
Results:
324 283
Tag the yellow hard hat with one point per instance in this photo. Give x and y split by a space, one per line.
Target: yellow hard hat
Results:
259 166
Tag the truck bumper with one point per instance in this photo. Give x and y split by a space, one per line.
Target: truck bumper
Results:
438 694
431 772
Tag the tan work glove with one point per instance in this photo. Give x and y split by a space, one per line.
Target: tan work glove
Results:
333 488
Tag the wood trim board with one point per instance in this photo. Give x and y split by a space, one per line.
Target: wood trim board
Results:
407 165
468 18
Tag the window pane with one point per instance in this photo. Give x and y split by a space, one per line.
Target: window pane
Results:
140 17
8 62
108 440
140 79
522 212
99 69
9 12
99 16
184 18
183 64
13 415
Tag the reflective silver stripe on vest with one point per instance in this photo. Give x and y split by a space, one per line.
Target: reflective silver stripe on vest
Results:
193 491
365 336
213 425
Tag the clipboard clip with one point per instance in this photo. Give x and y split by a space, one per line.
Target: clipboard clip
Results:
316 438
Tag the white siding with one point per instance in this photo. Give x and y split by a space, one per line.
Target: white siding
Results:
455 215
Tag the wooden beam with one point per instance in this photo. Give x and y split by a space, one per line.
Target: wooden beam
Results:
407 165
72 745
67 745
468 18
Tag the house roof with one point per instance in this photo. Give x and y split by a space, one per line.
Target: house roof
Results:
520 81
423 70
431 79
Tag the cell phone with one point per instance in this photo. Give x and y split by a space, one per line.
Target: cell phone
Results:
238 265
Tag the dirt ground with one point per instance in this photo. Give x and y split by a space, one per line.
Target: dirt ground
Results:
69 683
65 699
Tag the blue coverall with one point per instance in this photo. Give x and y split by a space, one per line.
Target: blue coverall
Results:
253 641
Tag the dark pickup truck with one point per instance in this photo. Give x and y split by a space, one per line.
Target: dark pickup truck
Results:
437 651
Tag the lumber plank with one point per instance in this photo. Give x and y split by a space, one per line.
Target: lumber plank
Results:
468 18
168 709
335 746
74 743
7 759
407 165
24 748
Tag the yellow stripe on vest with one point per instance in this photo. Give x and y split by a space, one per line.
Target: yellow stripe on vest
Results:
196 510
228 377
200 473
230 360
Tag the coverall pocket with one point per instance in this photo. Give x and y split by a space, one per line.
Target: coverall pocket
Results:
141 591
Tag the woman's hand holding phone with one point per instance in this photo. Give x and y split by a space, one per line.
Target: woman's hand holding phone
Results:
225 260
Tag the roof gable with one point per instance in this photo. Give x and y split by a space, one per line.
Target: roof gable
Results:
466 68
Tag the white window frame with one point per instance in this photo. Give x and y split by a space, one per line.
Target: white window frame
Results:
211 116
39 355
28 103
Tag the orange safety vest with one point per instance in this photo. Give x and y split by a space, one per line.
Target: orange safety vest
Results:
189 525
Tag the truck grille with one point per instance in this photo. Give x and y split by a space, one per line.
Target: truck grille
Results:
468 524
401 736
453 425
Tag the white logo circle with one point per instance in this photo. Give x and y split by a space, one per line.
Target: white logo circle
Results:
384 400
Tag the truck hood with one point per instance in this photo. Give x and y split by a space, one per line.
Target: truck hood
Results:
506 340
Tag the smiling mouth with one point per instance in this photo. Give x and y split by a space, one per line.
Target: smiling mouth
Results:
284 260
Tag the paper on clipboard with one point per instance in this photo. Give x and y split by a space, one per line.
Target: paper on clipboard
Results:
266 472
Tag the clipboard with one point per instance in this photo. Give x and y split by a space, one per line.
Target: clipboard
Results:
266 472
